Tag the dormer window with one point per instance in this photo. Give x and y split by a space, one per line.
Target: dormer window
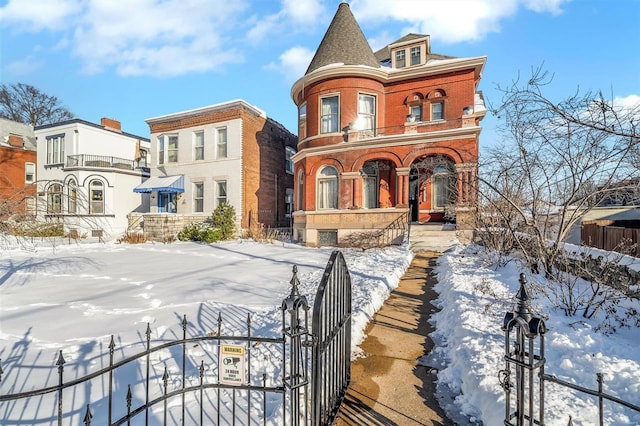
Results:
415 55
400 59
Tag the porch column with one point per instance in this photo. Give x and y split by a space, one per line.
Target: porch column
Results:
466 182
402 198
356 187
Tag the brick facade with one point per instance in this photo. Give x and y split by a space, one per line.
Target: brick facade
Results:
418 150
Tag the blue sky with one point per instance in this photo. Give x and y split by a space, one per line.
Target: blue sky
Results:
136 59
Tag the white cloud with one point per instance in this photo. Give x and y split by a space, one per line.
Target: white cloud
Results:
293 63
294 15
36 15
449 21
137 37
23 66
628 102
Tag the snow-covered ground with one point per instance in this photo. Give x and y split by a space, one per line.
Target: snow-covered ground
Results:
74 297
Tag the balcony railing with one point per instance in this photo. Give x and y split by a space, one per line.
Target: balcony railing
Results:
351 134
105 162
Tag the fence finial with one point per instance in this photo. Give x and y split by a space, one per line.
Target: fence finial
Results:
88 416
523 308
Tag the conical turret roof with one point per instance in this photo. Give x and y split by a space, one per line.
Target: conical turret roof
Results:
344 43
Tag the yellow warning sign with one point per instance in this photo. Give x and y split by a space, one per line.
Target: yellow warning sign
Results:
231 365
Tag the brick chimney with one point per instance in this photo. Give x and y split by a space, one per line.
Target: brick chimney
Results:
16 141
111 124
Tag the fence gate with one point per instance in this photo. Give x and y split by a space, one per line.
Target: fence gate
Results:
331 336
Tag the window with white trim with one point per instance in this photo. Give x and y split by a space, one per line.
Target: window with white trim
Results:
172 149
442 188
300 195
329 114
415 55
30 206
221 192
96 197
437 111
289 152
400 59
221 143
415 113
29 172
160 149
302 121
198 197
198 146
55 149
366 112
328 188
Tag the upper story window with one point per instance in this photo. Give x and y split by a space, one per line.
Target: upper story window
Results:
366 112
437 111
198 146
289 152
96 197
415 55
160 149
329 114
172 149
167 149
198 197
55 149
221 143
415 113
302 121
29 172
400 59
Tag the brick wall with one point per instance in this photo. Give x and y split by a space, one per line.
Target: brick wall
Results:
13 188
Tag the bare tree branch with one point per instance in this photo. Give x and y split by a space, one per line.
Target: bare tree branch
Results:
26 104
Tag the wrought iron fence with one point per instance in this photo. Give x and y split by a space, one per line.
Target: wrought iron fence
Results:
524 374
311 365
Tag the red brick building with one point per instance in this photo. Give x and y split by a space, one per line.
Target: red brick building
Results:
17 169
382 134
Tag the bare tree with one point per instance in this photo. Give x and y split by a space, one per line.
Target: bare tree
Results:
563 159
26 104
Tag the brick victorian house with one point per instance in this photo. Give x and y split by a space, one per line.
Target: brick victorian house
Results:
17 170
383 134
228 152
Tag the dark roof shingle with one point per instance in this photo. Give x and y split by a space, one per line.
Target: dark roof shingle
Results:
344 43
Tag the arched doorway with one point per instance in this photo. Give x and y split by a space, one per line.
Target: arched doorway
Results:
432 188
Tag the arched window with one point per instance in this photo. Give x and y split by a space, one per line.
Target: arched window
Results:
54 198
72 197
96 197
328 188
300 188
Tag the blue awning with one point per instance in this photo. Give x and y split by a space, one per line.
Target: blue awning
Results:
161 183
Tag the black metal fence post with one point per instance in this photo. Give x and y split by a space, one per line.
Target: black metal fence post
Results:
522 358
297 377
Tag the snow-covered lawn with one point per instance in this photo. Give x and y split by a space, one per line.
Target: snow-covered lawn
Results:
75 297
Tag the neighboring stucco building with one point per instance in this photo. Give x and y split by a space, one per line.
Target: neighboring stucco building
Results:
17 170
227 152
383 134
86 175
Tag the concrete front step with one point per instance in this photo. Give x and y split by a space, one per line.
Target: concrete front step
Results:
436 237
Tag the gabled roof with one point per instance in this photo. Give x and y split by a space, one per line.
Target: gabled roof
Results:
384 54
343 43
